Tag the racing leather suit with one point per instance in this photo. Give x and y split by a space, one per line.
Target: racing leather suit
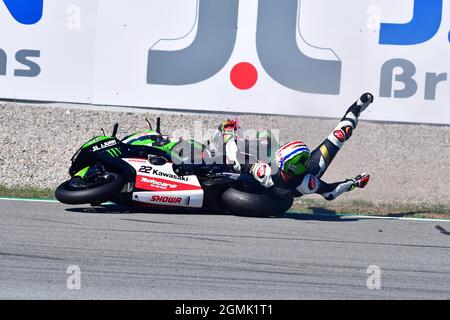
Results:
228 149
310 182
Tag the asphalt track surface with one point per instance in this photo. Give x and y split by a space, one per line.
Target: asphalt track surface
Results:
132 255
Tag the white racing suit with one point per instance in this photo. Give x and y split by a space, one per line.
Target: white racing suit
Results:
229 149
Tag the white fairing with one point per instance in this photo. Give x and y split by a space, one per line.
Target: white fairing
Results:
160 185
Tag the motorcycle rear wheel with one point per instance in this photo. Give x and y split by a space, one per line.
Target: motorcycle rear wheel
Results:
262 204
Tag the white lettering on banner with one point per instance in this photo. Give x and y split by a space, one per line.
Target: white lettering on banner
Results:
374 17
311 58
73 21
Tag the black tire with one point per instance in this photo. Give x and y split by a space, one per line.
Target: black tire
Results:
256 205
98 194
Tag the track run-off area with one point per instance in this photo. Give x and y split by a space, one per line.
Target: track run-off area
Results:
115 253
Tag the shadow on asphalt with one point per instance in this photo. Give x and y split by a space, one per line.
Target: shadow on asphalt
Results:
118 209
325 215
442 230
404 214
318 214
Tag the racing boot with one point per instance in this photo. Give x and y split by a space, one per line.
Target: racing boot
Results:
359 106
349 121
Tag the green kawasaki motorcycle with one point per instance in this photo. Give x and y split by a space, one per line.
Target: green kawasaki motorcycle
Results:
149 169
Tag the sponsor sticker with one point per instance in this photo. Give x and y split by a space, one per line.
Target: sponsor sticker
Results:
153 184
104 145
137 160
167 199
169 175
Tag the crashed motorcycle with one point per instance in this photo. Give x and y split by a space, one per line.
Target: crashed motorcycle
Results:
149 169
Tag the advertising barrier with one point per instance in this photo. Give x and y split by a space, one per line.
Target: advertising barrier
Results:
296 57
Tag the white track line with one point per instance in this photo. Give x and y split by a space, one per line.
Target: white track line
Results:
380 217
311 214
29 200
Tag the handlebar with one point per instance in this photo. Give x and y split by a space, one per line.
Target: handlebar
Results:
116 126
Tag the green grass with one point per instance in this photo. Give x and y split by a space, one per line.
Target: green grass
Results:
27 192
398 209
303 205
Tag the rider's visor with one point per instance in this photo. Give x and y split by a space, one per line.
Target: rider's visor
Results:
228 125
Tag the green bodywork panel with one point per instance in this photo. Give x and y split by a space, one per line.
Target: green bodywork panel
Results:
149 132
159 141
95 140
141 138
148 138
114 152
147 142
82 172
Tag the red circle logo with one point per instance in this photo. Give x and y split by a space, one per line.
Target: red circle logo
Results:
243 75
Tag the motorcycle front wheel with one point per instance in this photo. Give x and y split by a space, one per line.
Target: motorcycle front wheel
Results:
75 191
